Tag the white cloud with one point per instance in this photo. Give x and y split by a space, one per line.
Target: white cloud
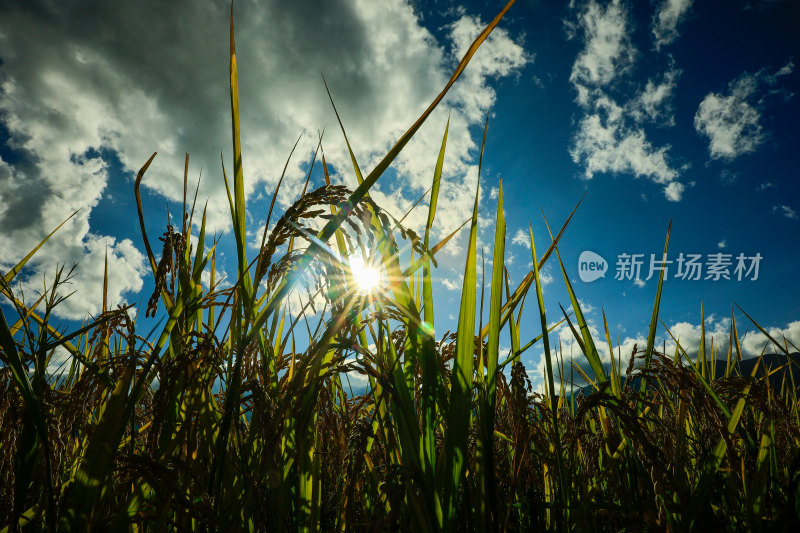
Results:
358 381
608 50
788 68
298 300
56 179
756 343
752 343
665 21
722 244
141 86
126 267
221 278
610 137
717 337
732 120
522 238
690 335
654 103
586 307
785 210
74 243
60 363
604 144
674 191
765 186
545 275
452 285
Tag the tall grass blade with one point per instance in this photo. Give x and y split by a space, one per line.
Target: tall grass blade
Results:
560 474
651 332
589 349
430 376
489 392
460 405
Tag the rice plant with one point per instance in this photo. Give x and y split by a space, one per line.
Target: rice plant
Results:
225 417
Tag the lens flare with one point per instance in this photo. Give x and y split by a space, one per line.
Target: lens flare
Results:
366 276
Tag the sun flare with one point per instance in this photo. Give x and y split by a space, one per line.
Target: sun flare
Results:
366 276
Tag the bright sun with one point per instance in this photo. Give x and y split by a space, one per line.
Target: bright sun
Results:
366 276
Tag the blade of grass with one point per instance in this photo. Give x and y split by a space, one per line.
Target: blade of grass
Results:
460 405
492 356
430 376
562 484
651 332
589 349
522 290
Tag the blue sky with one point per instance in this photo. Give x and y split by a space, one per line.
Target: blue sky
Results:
656 111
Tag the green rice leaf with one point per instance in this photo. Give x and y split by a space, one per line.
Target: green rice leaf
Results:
460 405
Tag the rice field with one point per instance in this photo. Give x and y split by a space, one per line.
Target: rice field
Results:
225 418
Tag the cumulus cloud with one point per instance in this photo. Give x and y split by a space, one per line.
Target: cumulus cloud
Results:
452 285
670 13
752 344
785 210
674 191
687 334
731 121
718 333
545 275
521 238
608 50
78 81
789 337
611 136
75 242
586 307
654 102
690 335
603 144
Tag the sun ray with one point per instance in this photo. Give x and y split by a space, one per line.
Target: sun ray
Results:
366 276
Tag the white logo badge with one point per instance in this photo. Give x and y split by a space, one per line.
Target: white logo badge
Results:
591 266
